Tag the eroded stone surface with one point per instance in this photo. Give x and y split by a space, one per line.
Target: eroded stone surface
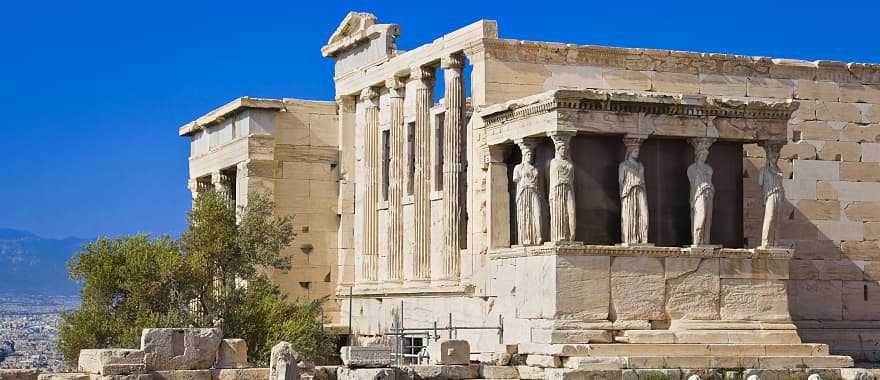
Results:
112 361
180 348
449 351
366 356
232 353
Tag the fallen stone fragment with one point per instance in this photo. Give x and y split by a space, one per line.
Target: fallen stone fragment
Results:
180 348
111 361
365 357
283 362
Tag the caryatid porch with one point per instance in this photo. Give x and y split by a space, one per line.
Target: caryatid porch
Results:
621 216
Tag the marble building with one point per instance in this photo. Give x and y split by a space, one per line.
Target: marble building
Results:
581 195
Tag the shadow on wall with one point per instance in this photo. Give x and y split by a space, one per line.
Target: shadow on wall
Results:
831 298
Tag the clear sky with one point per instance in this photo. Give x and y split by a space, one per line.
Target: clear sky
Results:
92 92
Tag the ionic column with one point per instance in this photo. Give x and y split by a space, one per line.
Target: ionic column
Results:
453 164
424 88
396 88
372 167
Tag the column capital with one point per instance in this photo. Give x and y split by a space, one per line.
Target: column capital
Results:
701 143
527 142
498 153
396 86
422 73
771 148
452 61
561 135
346 103
370 97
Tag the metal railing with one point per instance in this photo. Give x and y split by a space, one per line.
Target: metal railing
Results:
403 351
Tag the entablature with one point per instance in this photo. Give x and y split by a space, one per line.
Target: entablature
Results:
637 113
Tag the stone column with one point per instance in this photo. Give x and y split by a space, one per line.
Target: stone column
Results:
424 80
453 165
396 88
770 179
702 195
372 168
561 191
498 210
529 203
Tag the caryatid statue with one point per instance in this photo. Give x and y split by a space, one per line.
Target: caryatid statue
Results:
702 192
633 196
770 180
528 196
562 210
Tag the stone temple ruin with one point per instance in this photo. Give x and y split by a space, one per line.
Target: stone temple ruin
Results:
573 208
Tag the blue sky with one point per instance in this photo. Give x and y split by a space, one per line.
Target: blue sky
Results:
92 92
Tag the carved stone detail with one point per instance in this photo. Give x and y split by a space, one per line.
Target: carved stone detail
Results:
453 166
561 192
396 88
633 195
770 179
424 89
702 196
372 167
528 196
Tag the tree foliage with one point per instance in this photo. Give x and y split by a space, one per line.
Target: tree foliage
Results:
213 273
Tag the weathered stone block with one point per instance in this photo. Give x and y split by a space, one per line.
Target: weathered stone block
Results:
819 209
814 299
530 373
343 373
495 358
112 361
840 151
176 348
761 300
817 90
692 288
637 288
283 362
232 354
543 361
365 356
241 374
19 374
816 170
594 363
576 374
859 172
441 372
62 376
679 83
498 372
449 352
836 111
195 374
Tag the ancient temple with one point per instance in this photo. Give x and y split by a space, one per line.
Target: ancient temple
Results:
591 200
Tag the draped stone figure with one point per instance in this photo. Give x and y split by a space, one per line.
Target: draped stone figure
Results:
770 180
562 210
633 196
528 196
702 192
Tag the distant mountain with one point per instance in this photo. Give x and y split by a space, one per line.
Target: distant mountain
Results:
30 264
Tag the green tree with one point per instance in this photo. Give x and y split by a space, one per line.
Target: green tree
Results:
214 272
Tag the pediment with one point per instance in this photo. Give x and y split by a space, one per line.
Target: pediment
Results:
353 24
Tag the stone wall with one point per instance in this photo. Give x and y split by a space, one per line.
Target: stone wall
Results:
306 170
830 164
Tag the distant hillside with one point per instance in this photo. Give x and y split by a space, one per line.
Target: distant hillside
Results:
30 264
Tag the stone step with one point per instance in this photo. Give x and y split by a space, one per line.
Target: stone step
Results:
714 350
758 362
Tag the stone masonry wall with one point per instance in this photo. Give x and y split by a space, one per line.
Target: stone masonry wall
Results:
306 186
831 169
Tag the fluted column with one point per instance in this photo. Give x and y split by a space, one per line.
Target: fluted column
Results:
372 168
424 88
453 165
396 88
